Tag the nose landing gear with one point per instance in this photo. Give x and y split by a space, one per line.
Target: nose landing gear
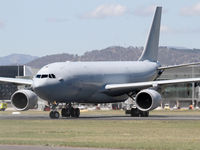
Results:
54 114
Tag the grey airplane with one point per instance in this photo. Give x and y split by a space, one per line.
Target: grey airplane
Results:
99 82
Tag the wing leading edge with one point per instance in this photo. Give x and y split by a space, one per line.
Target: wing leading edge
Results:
17 81
127 87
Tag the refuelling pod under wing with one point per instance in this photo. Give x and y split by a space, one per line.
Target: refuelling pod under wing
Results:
148 99
24 100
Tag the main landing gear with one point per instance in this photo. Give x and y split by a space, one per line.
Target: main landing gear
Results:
135 112
68 111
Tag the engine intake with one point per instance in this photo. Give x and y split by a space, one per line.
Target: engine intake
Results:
148 99
24 100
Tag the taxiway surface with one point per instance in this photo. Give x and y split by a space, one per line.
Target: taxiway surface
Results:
98 117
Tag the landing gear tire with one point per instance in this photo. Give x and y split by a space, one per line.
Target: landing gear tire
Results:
65 112
144 114
76 112
51 115
54 115
135 112
70 112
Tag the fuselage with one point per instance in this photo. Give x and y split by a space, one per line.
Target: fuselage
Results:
84 81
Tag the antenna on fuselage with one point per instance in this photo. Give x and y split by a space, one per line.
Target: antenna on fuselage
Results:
150 51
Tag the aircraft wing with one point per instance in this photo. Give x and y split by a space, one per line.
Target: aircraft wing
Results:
17 81
128 87
178 66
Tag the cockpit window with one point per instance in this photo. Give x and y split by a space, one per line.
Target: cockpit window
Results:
38 76
53 75
45 76
50 76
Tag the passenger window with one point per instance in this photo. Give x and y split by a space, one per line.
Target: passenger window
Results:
44 76
38 76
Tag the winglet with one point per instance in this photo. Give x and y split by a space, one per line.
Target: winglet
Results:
151 49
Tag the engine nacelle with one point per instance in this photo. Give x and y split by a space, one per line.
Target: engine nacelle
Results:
24 100
148 99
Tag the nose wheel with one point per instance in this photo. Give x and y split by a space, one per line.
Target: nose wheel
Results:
54 115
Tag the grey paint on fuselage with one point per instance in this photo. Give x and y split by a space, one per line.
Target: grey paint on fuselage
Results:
85 81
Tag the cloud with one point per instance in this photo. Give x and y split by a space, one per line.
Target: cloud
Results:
106 10
193 10
165 28
145 11
56 20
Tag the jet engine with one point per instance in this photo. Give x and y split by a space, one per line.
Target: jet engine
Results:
24 100
147 100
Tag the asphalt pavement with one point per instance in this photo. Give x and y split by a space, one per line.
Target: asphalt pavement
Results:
98 117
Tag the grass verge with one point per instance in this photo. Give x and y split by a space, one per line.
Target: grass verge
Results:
124 134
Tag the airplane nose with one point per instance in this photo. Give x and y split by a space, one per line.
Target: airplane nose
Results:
44 89
36 85
39 88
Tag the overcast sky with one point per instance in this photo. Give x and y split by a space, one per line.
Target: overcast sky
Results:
42 27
